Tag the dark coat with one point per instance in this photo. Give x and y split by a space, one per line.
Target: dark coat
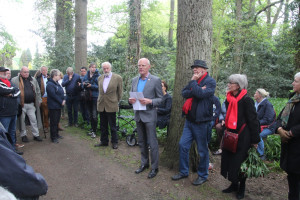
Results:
164 111
231 162
8 104
71 86
265 113
55 95
15 175
290 152
93 81
202 98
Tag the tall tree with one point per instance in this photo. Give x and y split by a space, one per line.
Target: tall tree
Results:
171 28
80 34
7 47
194 41
134 40
25 58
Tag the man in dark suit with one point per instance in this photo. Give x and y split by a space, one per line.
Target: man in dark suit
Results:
110 93
150 86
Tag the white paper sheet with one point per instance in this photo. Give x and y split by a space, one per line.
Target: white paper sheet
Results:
137 105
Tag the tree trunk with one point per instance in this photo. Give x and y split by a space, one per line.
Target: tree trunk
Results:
194 41
171 28
237 58
134 42
80 34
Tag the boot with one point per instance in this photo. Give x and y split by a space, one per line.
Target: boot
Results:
232 188
241 192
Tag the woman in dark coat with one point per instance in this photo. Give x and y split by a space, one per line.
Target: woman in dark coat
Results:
164 109
55 100
288 127
240 110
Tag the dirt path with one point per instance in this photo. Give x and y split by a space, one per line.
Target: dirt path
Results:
75 170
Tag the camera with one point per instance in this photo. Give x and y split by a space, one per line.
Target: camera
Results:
86 83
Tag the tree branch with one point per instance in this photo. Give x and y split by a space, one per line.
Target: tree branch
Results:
265 8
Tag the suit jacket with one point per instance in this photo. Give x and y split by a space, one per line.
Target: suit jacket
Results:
152 90
110 100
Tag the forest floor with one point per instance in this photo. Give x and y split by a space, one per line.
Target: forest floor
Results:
75 169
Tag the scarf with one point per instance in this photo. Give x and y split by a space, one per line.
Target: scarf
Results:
6 81
288 108
232 111
187 106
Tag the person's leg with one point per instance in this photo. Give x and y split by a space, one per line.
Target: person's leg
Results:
22 121
94 113
113 127
294 186
45 115
12 129
52 125
200 134
6 122
69 107
75 107
184 148
104 127
142 141
153 143
261 145
32 118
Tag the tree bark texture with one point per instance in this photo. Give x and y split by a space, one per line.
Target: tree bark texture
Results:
80 34
134 41
194 41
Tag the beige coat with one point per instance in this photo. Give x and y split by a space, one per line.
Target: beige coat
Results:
110 100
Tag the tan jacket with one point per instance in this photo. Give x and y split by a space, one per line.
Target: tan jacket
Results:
110 100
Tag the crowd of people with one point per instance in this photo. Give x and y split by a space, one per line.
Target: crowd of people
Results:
41 99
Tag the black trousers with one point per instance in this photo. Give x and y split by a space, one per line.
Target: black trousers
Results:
93 113
294 186
108 118
54 115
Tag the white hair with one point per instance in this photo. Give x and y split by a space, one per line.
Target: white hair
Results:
69 70
297 75
106 63
5 194
240 79
263 92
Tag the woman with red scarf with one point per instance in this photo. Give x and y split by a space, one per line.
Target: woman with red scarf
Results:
241 117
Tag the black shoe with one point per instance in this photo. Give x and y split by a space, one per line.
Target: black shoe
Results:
241 191
60 137
19 152
55 141
25 139
178 177
38 138
199 181
101 145
153 173
141 169
232 188
115 145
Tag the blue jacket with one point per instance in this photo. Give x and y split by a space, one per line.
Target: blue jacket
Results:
15 175
93 81
55 94
202 106
216 108
265 113
71 86
8 104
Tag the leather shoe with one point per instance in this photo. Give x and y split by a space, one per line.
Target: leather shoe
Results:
38 138
25 139
55 141
100 145
178 177
141 169
115 145
199 181
153 173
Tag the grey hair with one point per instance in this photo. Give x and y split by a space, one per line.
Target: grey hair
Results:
106 63
54 72
43 67
240 79
148 61
263 92
297 75
69 70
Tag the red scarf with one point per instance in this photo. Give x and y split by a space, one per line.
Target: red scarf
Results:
6 81
187 106
232 111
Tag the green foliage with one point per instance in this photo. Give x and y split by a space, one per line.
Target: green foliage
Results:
273 147
26 58
8 47
253 166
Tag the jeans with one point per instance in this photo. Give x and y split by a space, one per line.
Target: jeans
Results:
9 124
261 145
93 113
72 105
200 133
84 111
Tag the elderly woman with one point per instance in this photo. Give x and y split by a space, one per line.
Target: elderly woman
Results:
288 127
240 118
266 116
164 109
55 102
